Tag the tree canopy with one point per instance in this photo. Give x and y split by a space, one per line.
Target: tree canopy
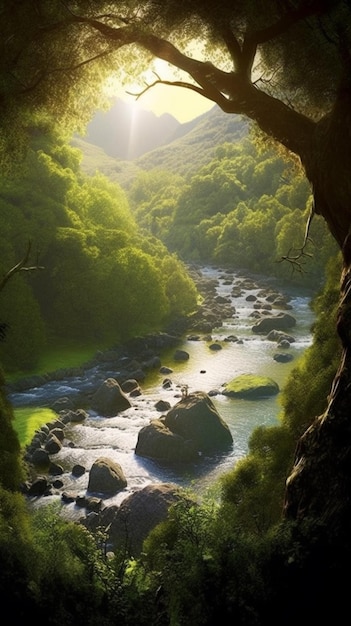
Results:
103 280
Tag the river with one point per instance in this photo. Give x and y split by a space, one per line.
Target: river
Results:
205 370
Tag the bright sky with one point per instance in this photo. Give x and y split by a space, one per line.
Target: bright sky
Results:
182 103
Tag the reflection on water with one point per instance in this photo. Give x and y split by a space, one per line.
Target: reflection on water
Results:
206 370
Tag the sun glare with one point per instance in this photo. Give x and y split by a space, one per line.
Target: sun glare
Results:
180 102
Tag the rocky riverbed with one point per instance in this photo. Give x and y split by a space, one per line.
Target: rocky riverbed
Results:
154 373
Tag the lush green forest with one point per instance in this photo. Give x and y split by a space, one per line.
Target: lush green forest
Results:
94 241
247 207
102 280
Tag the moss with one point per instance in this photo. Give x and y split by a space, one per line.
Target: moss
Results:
251 386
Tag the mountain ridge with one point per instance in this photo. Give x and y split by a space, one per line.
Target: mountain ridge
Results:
180 148
127 132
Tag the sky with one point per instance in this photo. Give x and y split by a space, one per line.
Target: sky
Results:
180 102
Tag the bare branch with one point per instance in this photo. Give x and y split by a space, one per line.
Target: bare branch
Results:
21 266
297 256
172 83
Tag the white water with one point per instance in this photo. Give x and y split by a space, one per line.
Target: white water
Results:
206 370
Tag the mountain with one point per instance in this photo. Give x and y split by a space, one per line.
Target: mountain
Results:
179 148
126 132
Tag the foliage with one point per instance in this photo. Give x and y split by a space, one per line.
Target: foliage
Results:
318 366
11 472
103 279
248 207
16 554
253 491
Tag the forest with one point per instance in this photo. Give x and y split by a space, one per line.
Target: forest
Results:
86 261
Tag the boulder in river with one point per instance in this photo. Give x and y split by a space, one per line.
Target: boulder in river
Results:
39 487
109 399
193 426
181 355
279 335
283 357
106 476
40 458
283 321
251 387
53 444
196 418
156 441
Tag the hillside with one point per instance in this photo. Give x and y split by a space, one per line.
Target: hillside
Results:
184 150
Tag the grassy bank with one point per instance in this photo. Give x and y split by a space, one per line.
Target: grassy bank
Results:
28 420
59 356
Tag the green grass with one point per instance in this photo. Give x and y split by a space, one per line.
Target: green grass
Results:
28 420
58 356
65 356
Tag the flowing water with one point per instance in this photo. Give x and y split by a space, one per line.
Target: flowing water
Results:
205 370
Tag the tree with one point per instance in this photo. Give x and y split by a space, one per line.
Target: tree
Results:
286 66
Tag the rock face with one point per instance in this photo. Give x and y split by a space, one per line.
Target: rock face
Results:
193 426
129 524
251 387
109 399
106 477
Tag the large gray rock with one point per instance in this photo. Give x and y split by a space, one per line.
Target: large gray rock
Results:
193 426
181 355
128 525
196 418
53 444
106 477
109 399
283 321
39 487
40 458
156 441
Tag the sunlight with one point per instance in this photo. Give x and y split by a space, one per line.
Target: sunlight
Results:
179 102
134 109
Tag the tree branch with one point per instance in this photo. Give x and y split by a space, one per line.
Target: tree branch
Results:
217 97
21 266
297 260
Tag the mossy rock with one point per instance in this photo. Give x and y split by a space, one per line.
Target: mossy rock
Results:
251 387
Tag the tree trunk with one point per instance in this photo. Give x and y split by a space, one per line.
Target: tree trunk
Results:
319 486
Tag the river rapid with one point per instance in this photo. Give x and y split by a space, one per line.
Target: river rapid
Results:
206 370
